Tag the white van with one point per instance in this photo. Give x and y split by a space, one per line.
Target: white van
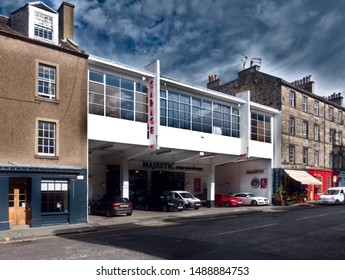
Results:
333 196
190 201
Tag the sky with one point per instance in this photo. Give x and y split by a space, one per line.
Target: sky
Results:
196 38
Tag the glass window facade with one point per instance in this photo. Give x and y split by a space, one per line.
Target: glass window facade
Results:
260 127
193 113
117 97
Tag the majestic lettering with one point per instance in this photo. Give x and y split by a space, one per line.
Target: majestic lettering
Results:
158 165
166 165
257 171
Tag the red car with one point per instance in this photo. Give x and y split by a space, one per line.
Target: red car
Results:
224 199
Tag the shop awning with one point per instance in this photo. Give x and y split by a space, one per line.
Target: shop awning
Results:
303 177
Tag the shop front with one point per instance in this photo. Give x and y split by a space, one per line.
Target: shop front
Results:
328 178
295 186
38 196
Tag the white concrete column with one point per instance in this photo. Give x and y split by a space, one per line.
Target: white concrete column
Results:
211 186
124 179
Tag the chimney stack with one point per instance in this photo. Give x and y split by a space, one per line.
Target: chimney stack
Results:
66 21
305 83
213 82
336 98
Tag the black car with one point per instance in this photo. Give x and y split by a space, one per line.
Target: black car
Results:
163 203
112 206
138 199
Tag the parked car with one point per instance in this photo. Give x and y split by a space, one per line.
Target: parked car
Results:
251 199
138 198
164 203
112 206
333 195
224 199
190 201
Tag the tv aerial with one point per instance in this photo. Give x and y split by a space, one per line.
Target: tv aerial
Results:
244 61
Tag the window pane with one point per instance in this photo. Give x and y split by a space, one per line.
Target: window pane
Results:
112 81
96 76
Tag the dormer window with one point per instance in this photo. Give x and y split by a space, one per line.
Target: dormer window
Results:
43 26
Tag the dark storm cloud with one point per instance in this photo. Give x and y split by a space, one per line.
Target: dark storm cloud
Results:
196 38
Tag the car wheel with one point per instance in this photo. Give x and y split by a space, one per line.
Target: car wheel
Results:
129 214
196 208
336 202
147 207
108 213
165 208
227 204
185 207
254 203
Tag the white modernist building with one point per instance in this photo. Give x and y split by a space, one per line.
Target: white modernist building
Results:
149 133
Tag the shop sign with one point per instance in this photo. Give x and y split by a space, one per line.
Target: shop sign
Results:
153 99
263 183
170 166
151 124
256 171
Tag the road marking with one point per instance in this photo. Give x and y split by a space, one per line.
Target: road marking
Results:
311 217
246 229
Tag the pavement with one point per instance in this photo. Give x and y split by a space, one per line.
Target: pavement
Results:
139 217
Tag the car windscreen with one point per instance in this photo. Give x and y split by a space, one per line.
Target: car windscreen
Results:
120 199
331 192
186 195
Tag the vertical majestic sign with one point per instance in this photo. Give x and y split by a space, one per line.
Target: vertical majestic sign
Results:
153 110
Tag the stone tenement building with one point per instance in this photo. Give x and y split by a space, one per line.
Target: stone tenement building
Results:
311 127
43 113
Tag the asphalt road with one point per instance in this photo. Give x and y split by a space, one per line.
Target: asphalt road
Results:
314 233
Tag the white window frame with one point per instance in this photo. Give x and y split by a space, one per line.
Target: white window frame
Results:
47 140
52 24
340 138
292 98
292 126
291 154
331 163
340 117
305 129
305 103
43 26
332 136
305 156
47 81
316 132
316 108
316 158
331 113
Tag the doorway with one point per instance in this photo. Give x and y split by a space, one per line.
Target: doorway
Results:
19 200
167 181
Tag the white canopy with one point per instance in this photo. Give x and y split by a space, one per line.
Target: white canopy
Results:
303 177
